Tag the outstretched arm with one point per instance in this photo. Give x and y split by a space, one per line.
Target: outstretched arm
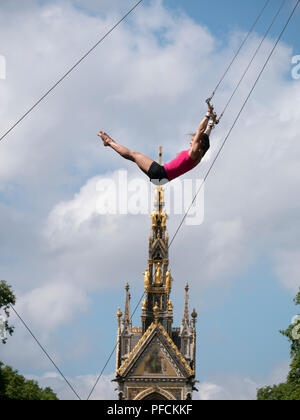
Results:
196 151
203 125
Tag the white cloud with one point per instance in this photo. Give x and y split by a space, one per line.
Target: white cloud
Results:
45 310
208 391
83 243
287 267
234 387
67 218
53 305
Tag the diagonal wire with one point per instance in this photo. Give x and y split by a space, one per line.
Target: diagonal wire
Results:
240 48
237 118
102 371
44 351
252 59
111 355
68 72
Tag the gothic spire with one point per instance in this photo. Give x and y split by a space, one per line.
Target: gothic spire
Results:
154 356
186 314
127 314
157 277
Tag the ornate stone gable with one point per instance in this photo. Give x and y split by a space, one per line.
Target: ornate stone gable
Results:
155 355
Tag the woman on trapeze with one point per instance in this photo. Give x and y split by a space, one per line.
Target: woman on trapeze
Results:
184 162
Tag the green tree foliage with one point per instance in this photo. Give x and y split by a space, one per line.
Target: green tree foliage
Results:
290 390
15 387
7 298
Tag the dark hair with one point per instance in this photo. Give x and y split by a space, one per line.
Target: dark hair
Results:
205 144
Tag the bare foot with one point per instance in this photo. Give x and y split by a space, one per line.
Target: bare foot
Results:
105 138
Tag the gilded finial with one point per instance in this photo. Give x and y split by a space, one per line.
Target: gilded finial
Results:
127 287
119 313
194 316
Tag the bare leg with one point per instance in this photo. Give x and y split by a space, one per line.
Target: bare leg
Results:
142 161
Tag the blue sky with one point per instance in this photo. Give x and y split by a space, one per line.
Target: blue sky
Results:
221 18
69 266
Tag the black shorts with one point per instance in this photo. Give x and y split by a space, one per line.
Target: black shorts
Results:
157 174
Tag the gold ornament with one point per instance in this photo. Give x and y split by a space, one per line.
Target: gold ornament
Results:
156 312
168 280
163 219
154 217
158 274
147 279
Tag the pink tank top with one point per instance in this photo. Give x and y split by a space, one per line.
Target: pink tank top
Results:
180 165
